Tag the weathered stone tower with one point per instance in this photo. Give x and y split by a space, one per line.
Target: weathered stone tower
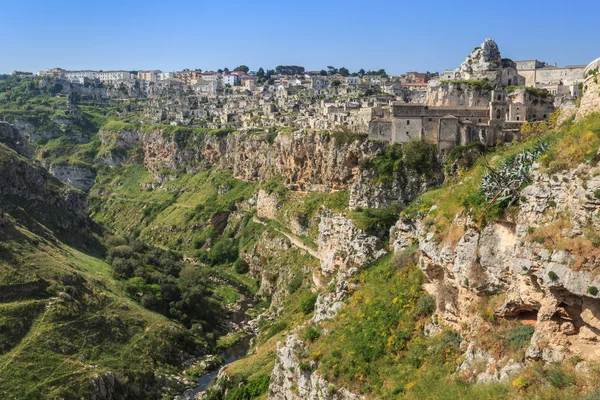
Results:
498 109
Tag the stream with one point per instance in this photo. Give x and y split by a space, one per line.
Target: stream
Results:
229 355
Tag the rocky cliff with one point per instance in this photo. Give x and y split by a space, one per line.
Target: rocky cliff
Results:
484 62
539 265
308 162
458 94
33 195
10 136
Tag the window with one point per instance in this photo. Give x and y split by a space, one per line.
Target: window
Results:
408 123
499 97
430 119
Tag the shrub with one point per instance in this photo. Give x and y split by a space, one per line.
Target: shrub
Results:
307 304
520 336
374 221
115 241
240 266
521 382
404 258
224 251
120 251
552 275
311 334
557 378
276 186
425 306
304 366
295 284
254 388
597 193
593 290
420 156
276 328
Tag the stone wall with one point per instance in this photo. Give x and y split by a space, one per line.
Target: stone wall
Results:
590 99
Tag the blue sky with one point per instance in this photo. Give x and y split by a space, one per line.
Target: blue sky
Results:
395 35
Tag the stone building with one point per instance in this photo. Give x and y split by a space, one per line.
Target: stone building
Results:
104 76
447 126
149 75
557 80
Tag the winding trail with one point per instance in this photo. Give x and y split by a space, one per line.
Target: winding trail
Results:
295 240
149 202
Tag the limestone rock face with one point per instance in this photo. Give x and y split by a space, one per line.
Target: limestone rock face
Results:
313 162
25 186
343 246
550 287
485 62
449 94
10 136
406 186
290 380
267 205
80 177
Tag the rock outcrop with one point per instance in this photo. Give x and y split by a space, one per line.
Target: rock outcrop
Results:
484 62
33 194
77 176
308 162
293 380
458 94
10 136
541 263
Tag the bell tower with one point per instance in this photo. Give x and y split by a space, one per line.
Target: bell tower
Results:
498 110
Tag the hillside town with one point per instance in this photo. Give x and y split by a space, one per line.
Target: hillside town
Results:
487 98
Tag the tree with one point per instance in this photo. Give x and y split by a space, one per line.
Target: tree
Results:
242 68
336 83
331 70
289 69
361 72
323 73
220 71
344 71
226 70
270 73
260 73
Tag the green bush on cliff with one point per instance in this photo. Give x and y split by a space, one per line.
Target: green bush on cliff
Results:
307 303
374 221
482 85
276 186
520 336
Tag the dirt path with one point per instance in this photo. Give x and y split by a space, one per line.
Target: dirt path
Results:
149 202
295 240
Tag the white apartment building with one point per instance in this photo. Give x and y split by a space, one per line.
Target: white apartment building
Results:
163 76
230 79
104 76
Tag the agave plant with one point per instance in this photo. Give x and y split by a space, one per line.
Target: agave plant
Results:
503 183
